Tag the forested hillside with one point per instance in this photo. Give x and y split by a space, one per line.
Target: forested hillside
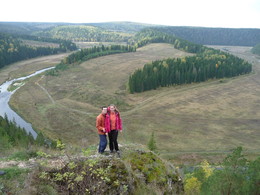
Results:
84 33
215 36
12 48
13 136
122 31
127 27
25 28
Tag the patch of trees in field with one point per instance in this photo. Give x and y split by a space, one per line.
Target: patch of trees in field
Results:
214 36
162 73
88 53
12 49
256 49
84 33
207 64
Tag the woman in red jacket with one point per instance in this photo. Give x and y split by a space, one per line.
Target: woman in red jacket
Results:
113 124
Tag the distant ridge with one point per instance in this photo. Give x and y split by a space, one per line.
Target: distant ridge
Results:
216 36
130 27
199 35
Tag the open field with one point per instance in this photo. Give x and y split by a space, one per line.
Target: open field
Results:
190 121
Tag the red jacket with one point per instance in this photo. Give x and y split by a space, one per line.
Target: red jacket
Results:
107 121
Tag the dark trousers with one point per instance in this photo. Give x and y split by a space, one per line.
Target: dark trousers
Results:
102 143
112 135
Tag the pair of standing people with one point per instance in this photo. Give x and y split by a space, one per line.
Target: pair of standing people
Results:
108 123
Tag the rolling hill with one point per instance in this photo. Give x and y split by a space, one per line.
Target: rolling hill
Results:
110 31
215 36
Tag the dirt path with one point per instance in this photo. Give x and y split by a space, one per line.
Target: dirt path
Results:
45 90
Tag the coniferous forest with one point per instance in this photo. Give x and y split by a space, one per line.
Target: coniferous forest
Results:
88 53
214 36
12 136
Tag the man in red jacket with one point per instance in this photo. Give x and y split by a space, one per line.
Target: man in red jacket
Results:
100 125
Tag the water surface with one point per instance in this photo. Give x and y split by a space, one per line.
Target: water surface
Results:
5 109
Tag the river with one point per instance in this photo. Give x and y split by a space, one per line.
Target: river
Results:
5 109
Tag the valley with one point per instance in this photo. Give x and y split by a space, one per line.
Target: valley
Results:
190 122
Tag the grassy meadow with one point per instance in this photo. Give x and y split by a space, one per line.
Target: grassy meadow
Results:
190 122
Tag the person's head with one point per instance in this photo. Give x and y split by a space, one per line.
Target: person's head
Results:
112 107
104 109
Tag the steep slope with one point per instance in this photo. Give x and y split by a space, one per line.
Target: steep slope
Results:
136 171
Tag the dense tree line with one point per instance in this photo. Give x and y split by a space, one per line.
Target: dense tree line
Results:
12 49
193 69
88 53
215 36
256 49
150 35
84 33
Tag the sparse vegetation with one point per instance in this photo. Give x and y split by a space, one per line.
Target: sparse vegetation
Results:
136 171
13 181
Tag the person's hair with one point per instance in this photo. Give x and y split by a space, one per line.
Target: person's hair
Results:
103 107
115 107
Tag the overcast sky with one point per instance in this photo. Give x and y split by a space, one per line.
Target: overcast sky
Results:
208 13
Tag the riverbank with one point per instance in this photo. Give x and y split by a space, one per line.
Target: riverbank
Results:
5 96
